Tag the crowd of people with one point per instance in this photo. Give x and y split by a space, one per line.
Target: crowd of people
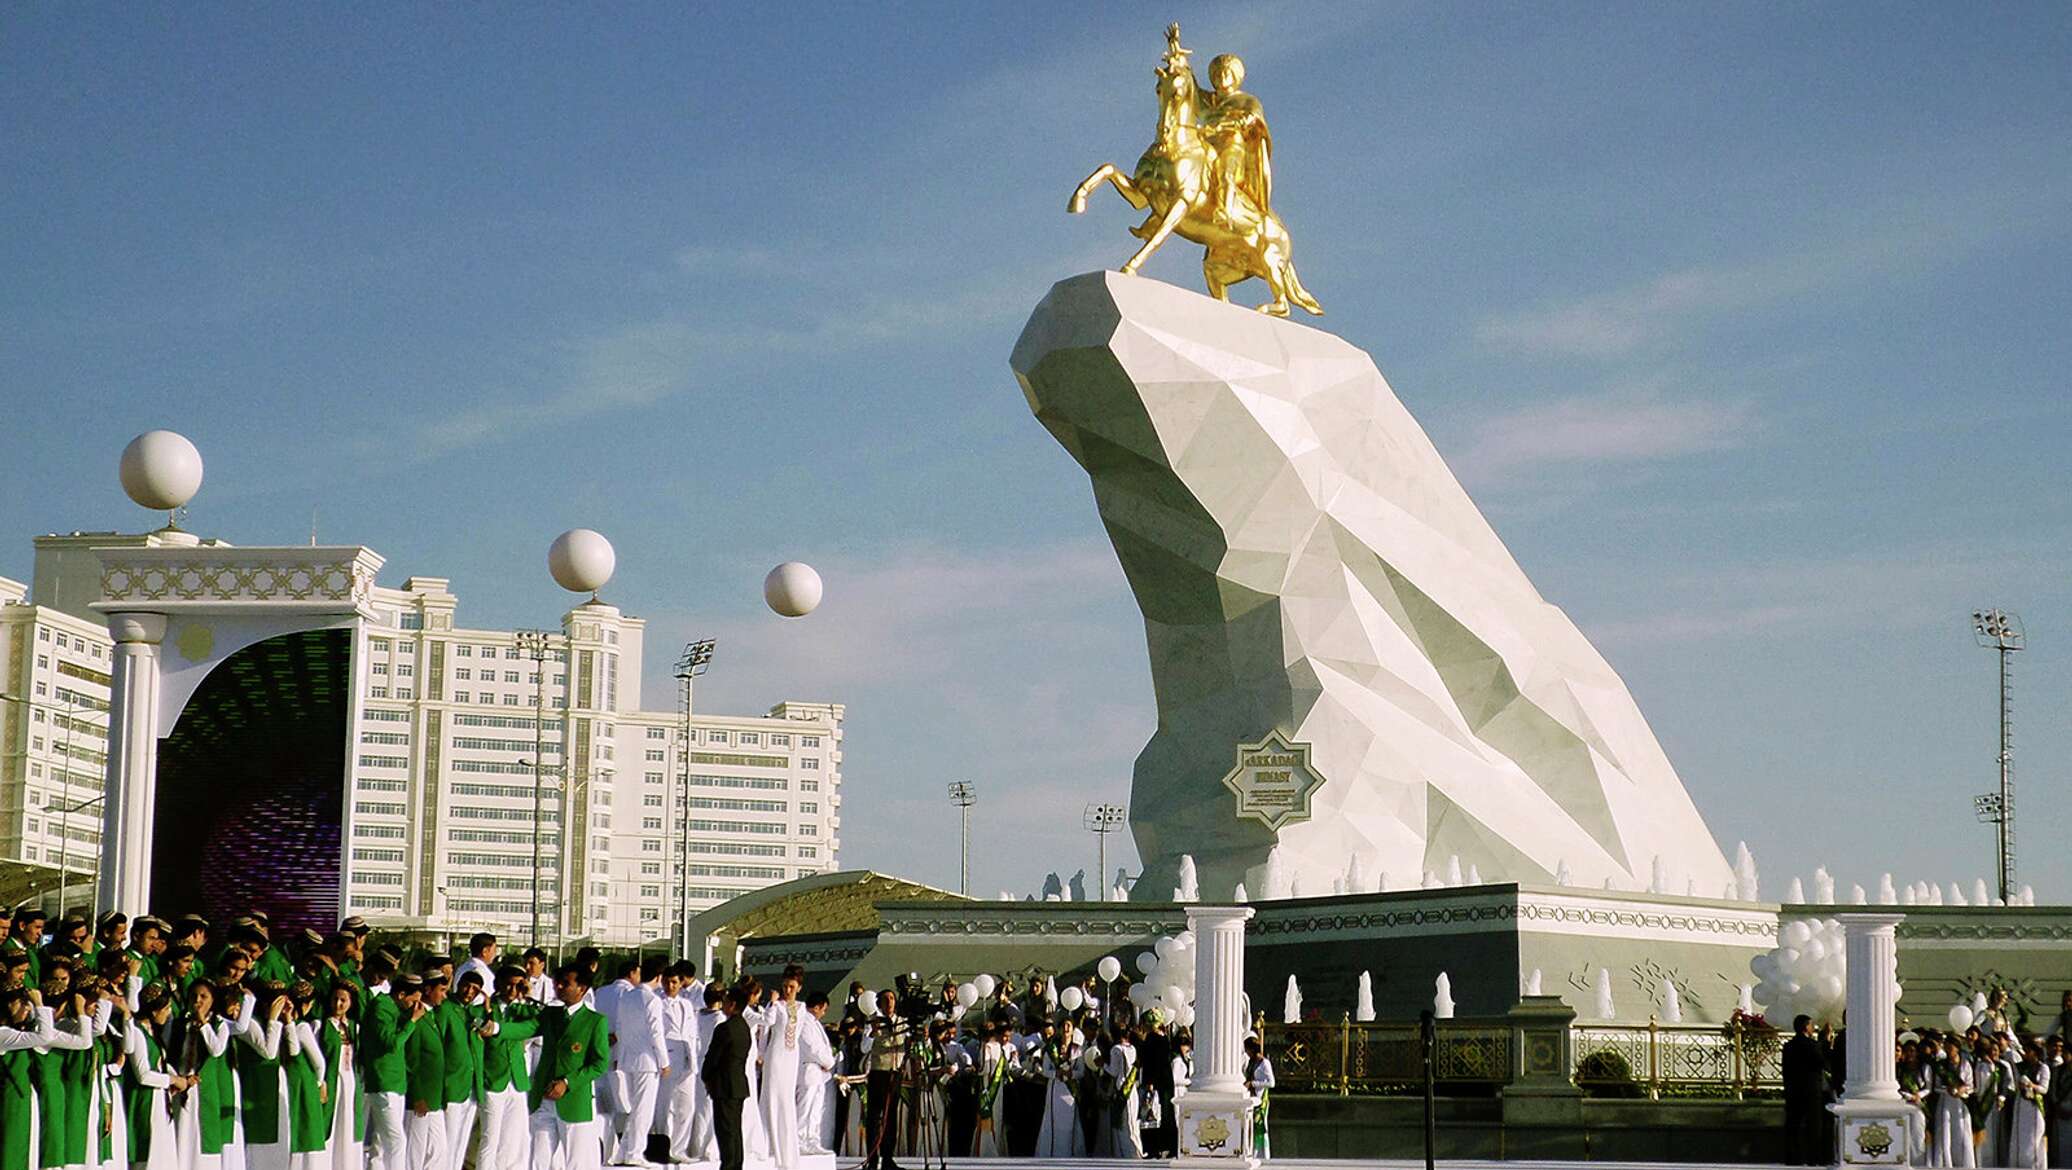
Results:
185 1045
1993 1094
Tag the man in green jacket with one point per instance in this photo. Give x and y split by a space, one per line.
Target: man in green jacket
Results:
424 1127
575 1050
390 1022
511 1021
27 936
460 1022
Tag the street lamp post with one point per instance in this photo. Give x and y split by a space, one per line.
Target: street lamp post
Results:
539 646
2001 632
695 660
963 795
1101 820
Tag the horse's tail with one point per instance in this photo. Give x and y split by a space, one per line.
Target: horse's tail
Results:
1299 294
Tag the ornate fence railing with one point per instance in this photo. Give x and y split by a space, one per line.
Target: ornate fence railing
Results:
1479 1056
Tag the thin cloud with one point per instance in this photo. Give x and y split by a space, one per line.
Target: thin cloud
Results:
1622 427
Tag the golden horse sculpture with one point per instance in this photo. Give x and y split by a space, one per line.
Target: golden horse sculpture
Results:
1209 178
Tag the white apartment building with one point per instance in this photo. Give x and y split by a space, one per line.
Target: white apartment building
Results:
667 811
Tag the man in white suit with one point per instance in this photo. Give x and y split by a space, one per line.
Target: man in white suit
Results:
680 1034
641 1055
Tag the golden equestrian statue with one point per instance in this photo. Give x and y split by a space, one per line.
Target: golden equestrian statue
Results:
1209 177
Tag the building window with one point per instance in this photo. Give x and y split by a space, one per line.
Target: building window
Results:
43 662
650 914
655 756
780 741
809 830
651 869
463 674
404 692
715 737
809 741
511 652
406 669
651 800
810 763
809 786
381 644
411 621
43 635
463 650
657 733
809 806
809 851
651 824
378 692
651 846
510 700
460 696
381 668
751 737
654 777
650 891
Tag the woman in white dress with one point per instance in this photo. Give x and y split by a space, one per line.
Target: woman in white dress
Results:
107 1133
1949 1140
2031 1092
755 1136
1059 1062
998 1061
779 1045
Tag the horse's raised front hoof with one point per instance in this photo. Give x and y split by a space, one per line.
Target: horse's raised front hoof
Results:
1275 308
1075 205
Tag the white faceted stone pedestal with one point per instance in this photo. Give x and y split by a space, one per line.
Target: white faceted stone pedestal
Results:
1215 1115
1871 1118
1307 565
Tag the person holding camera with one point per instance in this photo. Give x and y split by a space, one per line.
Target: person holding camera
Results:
885 1048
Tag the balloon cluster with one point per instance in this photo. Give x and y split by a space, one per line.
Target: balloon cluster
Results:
1806 974
1168 980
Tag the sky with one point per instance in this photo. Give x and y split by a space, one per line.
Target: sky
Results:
1744 324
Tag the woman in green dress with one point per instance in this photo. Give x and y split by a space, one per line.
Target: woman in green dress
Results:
207 1118
1259 1084
149 1082
338 1038
304 1067
261 1093
23 1030
61 1109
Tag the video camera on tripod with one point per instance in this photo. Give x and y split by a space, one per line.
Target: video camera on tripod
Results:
910 1000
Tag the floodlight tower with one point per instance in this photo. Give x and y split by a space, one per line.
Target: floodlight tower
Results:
2001 632
963 795
695 660
1101 820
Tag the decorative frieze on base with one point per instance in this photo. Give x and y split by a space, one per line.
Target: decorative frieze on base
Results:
1215 1130
1871 1133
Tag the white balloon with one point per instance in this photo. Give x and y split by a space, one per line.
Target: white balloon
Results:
1960 1017
967 994
1147 963
986 986
1814 950
1071 998
1108 968
1141 996
1796 934
581 560
1762 966
792 589
1164 947
160 469
1184 1017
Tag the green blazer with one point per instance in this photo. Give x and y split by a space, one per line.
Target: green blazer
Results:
463 1054
576 1048
503 1055
425 1054
382 1038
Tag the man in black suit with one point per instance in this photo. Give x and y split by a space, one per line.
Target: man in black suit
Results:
1805 1095
725 1074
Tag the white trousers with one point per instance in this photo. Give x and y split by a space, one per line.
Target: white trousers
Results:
565 1145
816 1119
506 1133
637 1115
426 1136
388 1144
679 1108
460 1130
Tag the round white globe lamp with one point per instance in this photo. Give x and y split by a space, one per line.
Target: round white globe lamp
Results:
581 560
792 589
161 470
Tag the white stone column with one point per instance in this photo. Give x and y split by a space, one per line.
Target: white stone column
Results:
129 810
1219 1007
1871 1118
1215 1116
1873 969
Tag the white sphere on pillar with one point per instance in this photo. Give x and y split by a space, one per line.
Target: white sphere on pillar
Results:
792 589
160 470
581 560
